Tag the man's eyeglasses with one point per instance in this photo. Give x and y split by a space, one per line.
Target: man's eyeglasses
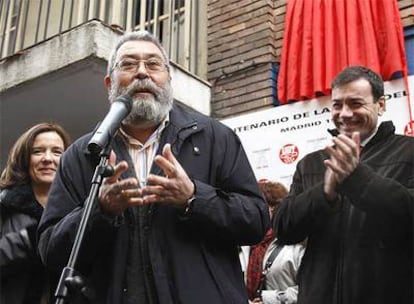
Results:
151 65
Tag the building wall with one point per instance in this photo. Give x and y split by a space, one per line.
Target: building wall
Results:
241 50
406 12
244 40
61 80
180 25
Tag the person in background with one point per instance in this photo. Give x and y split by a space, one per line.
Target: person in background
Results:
353 201
167 224
25 184
270 267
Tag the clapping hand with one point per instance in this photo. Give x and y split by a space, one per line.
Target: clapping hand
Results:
344 158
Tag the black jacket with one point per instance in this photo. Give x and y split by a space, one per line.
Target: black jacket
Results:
194 258
23 277
360 248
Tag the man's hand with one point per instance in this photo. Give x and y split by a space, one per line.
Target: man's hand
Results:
116 195
344 158
175 188
329 186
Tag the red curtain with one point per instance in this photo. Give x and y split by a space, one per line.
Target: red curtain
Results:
324 36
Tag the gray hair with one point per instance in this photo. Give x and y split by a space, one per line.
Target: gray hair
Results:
136 36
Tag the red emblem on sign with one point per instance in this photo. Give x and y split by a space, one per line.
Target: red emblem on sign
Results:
409 129
288 153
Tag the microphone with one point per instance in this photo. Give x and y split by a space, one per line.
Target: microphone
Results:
120 108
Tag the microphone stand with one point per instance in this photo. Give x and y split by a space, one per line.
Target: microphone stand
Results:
70 280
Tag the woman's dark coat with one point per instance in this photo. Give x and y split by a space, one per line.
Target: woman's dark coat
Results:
23 277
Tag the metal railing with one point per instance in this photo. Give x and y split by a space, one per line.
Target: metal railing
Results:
24 23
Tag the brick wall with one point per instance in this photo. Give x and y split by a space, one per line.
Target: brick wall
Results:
406 12
241 50
244 39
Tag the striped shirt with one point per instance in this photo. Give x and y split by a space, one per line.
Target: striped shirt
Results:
142 154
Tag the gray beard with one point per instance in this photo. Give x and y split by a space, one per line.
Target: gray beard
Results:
149 110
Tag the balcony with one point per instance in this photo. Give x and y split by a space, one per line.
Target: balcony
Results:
53 59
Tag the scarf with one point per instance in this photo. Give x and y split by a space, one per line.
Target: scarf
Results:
255 266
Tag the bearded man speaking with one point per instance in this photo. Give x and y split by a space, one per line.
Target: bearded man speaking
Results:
183 197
